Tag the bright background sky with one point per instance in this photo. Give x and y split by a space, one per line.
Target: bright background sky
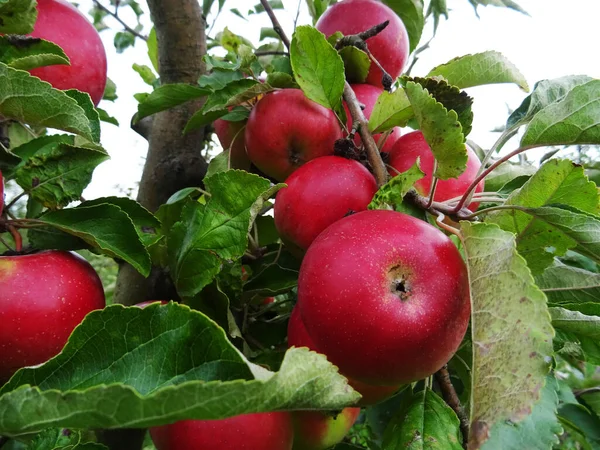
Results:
557 39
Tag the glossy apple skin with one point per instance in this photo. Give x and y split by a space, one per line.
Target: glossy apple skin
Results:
315 430
385 296
413 145
231 136
318 194
367 94
273 431
60 22
299 337
43 297
390 47
285 130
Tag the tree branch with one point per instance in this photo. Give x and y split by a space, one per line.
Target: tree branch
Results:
442 376
118 19
276 25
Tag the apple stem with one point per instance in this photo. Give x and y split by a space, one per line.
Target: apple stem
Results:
442 376
276 25
485 173
16 237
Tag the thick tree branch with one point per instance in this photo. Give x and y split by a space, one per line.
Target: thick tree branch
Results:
115 15
442 376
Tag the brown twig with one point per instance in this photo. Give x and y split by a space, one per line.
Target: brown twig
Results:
118 19
276 25
361 123
442 376
271 53
16 237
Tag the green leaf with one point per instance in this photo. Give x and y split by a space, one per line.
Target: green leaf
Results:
274 274
146 73
249 94
356 64
540 430
316 8
441 129
219 99
583 328
544 93
501 3
84 100
217 231
105 117
55 170
110 92
123 40
152 44
390 110
511 330
17 16
201 118
575 119
479 69
318 68
425 422
569 286
282 80
132 367
219 78
105 227
26 53
168 96
411 14
506 173
578 418
392 193
556 182
437 8
28 99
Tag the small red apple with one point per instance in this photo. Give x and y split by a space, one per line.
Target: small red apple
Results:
231 136
61 23
367 94
285 130
43 297
385 296
318 194
299 337
390 47
273 431
316 430
413 145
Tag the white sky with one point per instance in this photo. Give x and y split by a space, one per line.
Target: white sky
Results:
556 40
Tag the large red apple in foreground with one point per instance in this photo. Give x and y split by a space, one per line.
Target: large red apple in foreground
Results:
413 145
316 430
43 297
298 337
367 94
61 23
385 296
262 431
231 136
318 194
285 130
390 47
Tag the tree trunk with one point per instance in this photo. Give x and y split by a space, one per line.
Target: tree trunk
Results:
174 160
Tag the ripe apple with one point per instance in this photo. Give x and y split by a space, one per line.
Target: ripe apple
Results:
299 337
273 431
413 145
390 47
43 297
385 296
61 23
367 94
317 430
231 136
318 194
285 130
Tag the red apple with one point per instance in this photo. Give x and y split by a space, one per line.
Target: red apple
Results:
299 337
61 23
285 130
231 137
385 296
367 94
318 194
390 47
273 431
43 297
316 430
412 146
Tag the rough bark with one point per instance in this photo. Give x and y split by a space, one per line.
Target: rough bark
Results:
174 160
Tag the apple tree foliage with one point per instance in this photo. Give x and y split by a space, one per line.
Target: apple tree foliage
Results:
526 372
